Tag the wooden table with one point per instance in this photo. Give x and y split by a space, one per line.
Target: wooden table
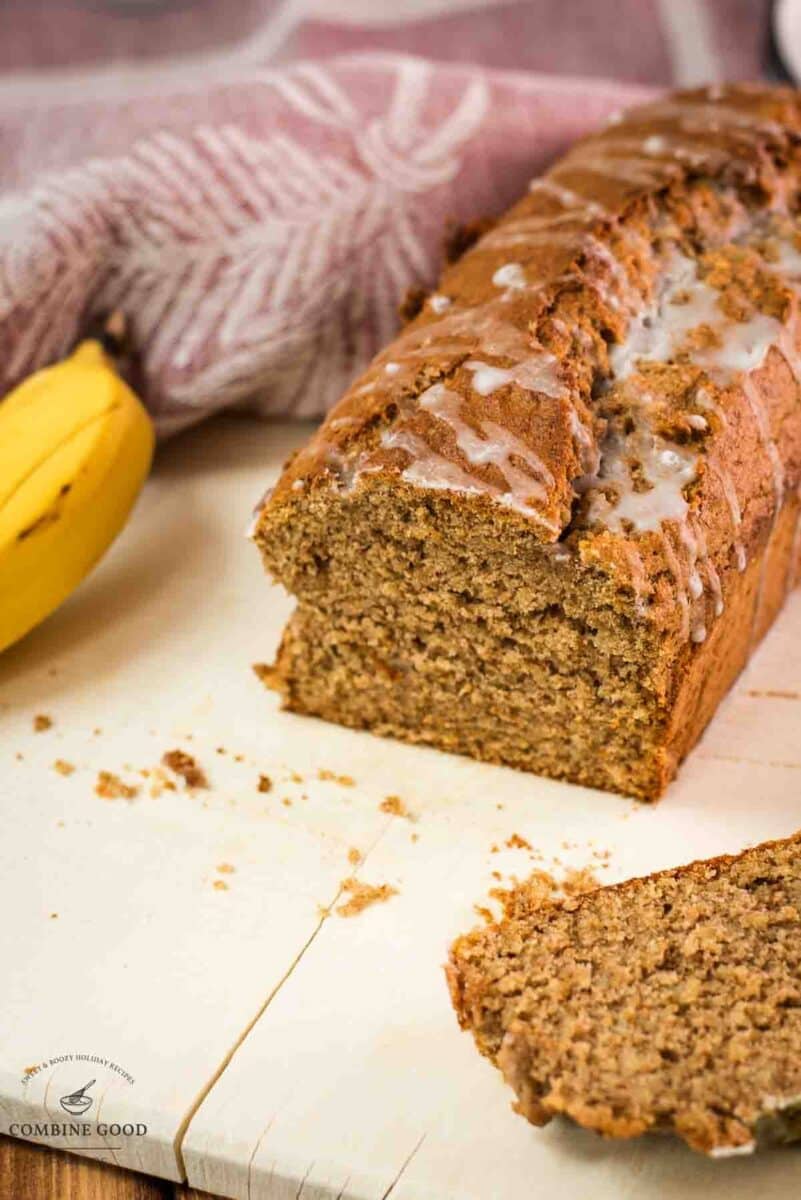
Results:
29 1172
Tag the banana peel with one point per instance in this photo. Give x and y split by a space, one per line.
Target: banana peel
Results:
76 446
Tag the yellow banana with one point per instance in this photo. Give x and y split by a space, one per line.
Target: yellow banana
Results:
75 448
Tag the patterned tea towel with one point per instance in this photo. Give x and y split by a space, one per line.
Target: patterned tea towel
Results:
256 185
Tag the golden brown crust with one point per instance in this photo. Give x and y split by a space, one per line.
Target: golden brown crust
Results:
612 178
517 409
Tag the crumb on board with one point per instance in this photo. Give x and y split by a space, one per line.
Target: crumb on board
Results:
267 674
220 885
516 842
110 787
184 765
20 757
527 895
226 868
159 782
265 784
362 896
287 803
54 916
42 722
63 767
221 750
96 732
354 856
332 777
295 777
395 807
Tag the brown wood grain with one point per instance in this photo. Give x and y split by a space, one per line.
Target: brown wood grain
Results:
29 1172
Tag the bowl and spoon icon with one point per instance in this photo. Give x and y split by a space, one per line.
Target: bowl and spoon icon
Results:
77 1103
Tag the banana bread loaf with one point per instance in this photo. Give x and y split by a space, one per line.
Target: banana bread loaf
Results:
671 1003
550 522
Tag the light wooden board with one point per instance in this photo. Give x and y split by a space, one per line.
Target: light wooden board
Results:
353 1079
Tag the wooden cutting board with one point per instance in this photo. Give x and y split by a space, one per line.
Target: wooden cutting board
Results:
176 959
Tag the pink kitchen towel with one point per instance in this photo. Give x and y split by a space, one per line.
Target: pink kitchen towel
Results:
257 212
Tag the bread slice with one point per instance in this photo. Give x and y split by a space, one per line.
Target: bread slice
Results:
550 522
667 1004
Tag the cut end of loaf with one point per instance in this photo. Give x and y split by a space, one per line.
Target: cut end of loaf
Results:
418 621
665 1004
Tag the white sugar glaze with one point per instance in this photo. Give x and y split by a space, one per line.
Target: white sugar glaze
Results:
430 469
537 374
640 481
639 172
510 275
568 198
711 118
666 468
683 304
732 349
494 445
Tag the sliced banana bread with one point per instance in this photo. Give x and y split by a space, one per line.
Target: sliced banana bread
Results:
666 1004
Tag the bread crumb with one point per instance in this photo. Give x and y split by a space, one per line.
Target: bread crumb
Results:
527 896
576 882
220 885
41 722
265 783
362 896
54 916
183 764
63 767
395 807
354 856
160 783
226 868
295 777
516 842
111 787
484 913
332 777
267 674
287 803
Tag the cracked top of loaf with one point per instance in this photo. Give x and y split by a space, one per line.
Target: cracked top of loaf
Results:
615 356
